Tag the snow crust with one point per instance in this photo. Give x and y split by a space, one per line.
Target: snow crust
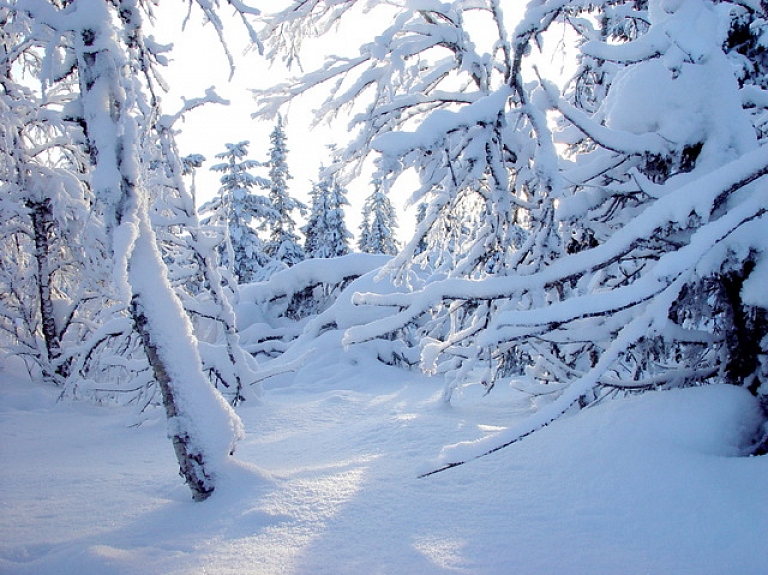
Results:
326 483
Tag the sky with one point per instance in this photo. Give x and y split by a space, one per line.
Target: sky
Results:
198 62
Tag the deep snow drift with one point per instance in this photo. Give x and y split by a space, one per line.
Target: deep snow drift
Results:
326 483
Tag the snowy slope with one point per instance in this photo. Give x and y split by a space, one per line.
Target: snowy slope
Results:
327 484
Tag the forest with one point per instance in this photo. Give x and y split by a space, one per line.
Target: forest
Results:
562 369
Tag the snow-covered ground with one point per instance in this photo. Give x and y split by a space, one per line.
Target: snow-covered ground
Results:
326 482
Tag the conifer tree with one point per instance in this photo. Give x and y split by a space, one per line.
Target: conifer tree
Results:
283 245
326 232
379 223
238 209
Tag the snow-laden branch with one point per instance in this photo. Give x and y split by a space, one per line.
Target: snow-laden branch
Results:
671 266
464 452
617 141
189 104
210 10
699 197
311 272
484 110
650 45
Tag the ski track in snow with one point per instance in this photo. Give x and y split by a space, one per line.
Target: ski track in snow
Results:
325 482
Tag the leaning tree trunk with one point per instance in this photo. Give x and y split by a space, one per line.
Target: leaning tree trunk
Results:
201 424
147 264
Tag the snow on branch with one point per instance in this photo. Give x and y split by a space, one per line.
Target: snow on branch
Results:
700 197
650 45
270 101
210 97
285 30
210 11
459 454
311 272
618 141
670 268
484 110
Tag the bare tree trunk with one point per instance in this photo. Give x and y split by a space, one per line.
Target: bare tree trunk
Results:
42 229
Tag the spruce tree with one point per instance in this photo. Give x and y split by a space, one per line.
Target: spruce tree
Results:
379 223
235 209
326 232
283 245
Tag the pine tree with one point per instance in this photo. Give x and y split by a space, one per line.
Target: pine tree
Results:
326 234
283 245
379 223
237 210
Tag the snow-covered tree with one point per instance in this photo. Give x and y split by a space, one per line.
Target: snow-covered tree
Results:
377 230
240 211
433 101
421 214
631 265
747 50
102 45
189 166
44 202
189 252
746 45
326 234
283 245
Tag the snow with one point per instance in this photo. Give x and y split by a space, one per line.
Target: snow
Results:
686 109
310 272
330 472
210 425
481 112
326 482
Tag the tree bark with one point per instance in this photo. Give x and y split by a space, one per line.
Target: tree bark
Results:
42 229
746 330
191 461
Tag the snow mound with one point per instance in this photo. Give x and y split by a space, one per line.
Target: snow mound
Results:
719 420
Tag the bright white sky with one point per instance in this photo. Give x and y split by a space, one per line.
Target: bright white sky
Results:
199 62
